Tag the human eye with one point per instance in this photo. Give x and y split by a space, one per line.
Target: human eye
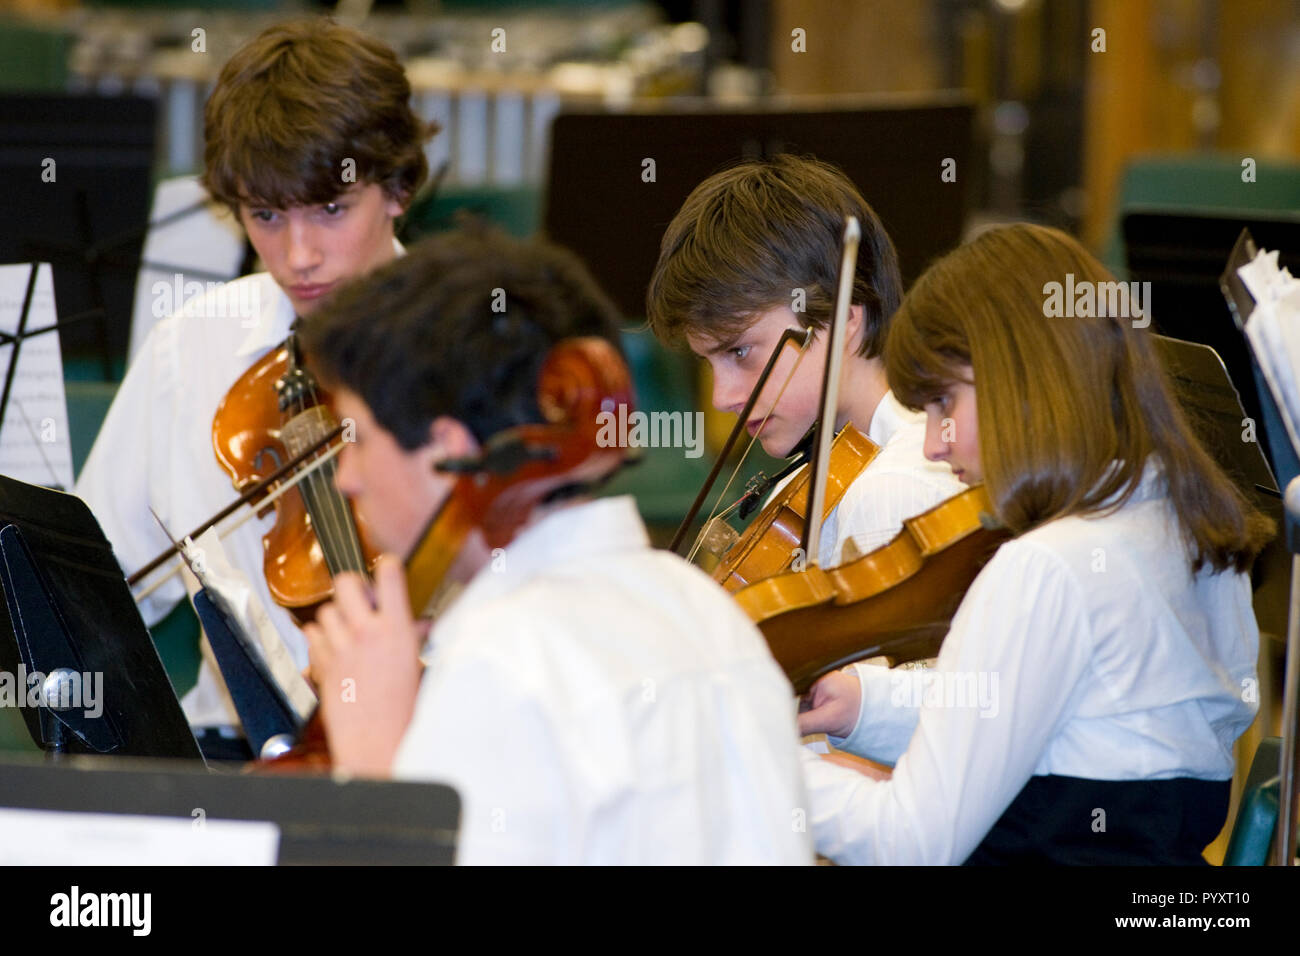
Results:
739 352
333 210
941 402
262 215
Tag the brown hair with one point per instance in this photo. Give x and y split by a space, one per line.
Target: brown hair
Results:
422 335
1058 399
295 102
748 236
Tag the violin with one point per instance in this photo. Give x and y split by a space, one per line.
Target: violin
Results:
896 601
770 544
497 490
272 414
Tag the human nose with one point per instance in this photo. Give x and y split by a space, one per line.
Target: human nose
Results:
304 249
935 448
345 474
729 393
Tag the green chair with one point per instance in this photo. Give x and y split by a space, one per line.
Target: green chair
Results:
1253 830
35 58
517 210
1205 181
664 480
177 635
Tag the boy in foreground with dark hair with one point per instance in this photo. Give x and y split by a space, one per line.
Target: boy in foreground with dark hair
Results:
312 144
592 699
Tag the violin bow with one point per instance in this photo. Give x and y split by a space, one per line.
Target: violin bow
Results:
804 338
834 364
812 529
247 497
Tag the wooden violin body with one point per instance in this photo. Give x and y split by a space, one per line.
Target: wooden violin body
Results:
772 539
896 601
269 415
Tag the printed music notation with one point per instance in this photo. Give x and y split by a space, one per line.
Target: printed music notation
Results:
35 445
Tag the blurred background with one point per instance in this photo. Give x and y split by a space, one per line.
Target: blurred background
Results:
1090 115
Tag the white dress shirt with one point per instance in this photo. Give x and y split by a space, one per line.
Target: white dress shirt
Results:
597 701
898 483
1085 648
155 450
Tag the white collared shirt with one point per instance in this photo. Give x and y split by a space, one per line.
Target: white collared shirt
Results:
155 450
594 700
1085 648
899 483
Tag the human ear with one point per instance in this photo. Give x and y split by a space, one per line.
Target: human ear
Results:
451 438
394 206
853 328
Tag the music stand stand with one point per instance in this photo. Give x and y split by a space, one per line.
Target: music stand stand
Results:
21 334
894 149
87 219
67 611
1286 465
1216 409
1181 253
321 820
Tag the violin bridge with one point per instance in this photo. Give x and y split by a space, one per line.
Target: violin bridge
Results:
717 537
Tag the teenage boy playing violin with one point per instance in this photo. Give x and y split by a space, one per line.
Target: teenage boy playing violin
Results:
749 244
1087 697
592 699
287 111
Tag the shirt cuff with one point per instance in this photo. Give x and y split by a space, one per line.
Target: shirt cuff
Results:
887 716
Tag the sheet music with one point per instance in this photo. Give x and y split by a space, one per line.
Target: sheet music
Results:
60 838
35 445
1274 332
206 240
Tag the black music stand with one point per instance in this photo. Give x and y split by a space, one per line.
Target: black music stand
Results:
321 820
598 205
67 610
1215 408
264 709
22 333
89 221
1181 253
1286 465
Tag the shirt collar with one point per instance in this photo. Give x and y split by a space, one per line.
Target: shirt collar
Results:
272 326
569 534
889 417
1151 485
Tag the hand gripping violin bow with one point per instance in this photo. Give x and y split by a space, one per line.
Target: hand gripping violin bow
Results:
896 601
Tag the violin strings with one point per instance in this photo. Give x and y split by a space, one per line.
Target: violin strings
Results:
330 517
347 542
309 491
281 489
699 540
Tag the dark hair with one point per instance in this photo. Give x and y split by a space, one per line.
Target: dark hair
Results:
459 326
298 100
748 236
1059 400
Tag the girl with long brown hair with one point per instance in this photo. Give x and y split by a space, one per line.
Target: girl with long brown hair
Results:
1087 697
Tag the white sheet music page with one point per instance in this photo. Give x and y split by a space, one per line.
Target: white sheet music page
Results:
60 838
182 255
1273 329
35 446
